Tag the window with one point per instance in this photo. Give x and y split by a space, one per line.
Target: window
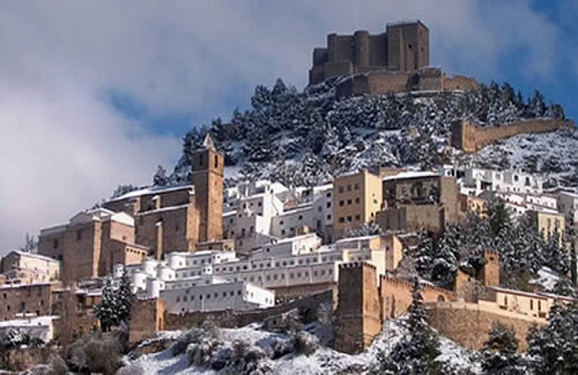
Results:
349 218
341 189
357 200
329 217
328 204
328 195
200 160
282 232
281 222
341 219
55 243
357 217
79 234
349 202
216 161
356 186
300 217
349 188
341 203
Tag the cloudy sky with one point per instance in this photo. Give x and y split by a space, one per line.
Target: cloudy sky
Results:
95 94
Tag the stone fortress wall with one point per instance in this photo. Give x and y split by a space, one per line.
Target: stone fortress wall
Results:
471 138
386 82
468 323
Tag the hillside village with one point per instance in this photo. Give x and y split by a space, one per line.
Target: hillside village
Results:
239 244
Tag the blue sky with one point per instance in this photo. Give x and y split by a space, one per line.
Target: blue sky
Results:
97 94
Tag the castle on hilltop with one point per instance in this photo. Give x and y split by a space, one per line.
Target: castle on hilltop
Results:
397 60
404 46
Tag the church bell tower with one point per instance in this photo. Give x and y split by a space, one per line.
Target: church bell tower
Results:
207 178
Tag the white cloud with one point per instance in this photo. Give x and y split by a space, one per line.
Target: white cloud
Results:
62 148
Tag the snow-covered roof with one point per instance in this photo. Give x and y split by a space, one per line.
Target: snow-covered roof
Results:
151 190
32 255
295 238
29 322
123 218
53 230
96 214
353 239
410 174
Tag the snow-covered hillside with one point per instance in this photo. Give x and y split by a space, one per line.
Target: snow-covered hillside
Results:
322 361
302 138
553 154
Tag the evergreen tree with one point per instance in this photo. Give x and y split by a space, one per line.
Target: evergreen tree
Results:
107 311
124 298
30 244
570 236
499 216
416 353
160 178
554 253
500 352
122 190
553 349
116 304
423 254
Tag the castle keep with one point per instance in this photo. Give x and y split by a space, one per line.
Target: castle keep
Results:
402 47
394 61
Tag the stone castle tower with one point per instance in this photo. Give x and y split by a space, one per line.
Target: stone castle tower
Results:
403 47
358 311
207 178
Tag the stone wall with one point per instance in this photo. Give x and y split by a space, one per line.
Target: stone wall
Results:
378 82
468 323
459 82
395 296
29 299
470 138
151 316
412 217
147 318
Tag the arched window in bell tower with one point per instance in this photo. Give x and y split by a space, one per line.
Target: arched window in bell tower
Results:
216 161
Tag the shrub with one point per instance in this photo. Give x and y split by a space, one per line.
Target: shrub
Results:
199 351
131 369
281 348
304 343
57 366
100 353
207 329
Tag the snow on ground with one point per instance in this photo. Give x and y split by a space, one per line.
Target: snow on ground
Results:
547 279
323 361
553 154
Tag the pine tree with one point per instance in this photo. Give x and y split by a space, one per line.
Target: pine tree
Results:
124 298
417 352
160 177
553 349
106 311
116 304
499 216
570 236
423 254
500 352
